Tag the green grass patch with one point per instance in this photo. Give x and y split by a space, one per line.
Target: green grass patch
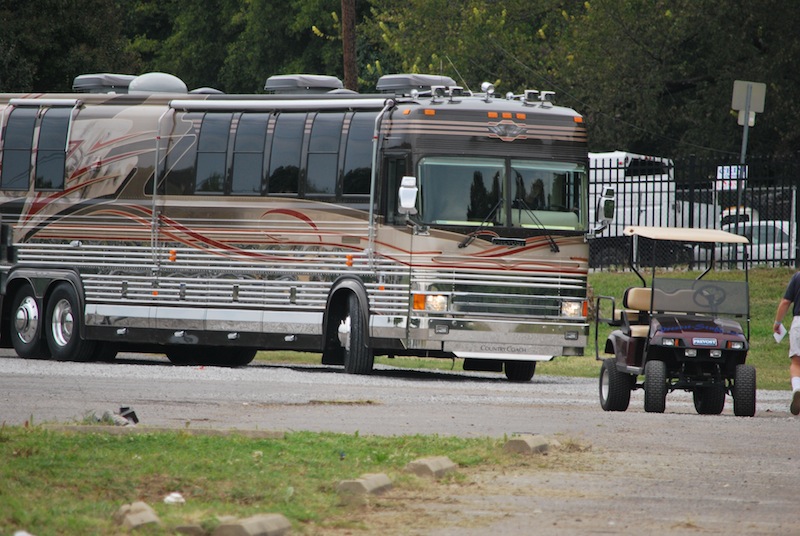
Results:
766 288
63 483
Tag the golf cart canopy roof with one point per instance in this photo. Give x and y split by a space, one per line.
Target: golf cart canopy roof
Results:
682 234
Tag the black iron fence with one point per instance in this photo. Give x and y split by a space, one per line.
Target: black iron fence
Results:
759 201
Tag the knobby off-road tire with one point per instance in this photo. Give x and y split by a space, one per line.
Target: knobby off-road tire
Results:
615 387
27 323
655 387
744 391
63 326
520 371
358 357
709 400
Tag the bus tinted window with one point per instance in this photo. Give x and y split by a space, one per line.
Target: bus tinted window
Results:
323 153
287 144
457 191
248 154
17 145
358 156
212 149
181 156
51 150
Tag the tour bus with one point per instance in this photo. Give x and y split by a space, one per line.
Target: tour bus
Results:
421 220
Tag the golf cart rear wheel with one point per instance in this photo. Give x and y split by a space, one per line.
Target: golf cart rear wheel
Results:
709 400
655 387
744 391
615 387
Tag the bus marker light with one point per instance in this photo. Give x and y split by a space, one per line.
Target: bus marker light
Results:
428 111
348 260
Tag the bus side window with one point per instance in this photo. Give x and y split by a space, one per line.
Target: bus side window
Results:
248 154
287 145
17 148
212 152
358 156
323 154
181 155
51 149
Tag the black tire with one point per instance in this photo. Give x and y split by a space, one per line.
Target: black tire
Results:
615 387
229 357
358 356
520 371
182 356
744 391
655 387
105 352
26 325
63 326
709 400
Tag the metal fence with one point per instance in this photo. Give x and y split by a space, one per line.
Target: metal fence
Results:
759 200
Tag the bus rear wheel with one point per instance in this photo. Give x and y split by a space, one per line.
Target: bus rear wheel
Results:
26 325
63 326
520 371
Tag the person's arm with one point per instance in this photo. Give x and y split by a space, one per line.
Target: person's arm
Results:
783 307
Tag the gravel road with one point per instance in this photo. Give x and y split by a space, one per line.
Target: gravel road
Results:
677 473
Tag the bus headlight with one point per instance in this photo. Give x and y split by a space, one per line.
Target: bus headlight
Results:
436 303
571 308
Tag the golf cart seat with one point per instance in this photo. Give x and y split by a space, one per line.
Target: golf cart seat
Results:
636 315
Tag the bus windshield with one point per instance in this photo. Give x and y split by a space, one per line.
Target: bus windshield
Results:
502 192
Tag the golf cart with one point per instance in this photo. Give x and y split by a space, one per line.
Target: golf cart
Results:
679 333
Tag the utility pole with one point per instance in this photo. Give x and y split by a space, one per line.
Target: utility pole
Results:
349 44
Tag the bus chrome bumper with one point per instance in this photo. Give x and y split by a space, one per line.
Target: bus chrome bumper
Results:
527 341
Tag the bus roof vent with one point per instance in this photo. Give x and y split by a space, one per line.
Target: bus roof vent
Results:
156 83
102 83
302 83
403 84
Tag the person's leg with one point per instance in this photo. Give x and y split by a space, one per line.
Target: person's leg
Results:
794 372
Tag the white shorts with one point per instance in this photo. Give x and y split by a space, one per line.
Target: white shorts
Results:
794 337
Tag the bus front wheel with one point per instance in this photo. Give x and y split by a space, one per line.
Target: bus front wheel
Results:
358 356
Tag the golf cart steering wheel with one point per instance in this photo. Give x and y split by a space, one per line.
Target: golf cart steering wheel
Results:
709 296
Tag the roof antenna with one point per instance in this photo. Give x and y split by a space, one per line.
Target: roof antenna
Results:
463 82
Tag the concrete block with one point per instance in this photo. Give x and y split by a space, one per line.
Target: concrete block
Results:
435 466
527 444
358 491
257 525
134 515
369 483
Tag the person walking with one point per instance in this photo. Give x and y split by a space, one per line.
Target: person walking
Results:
791 296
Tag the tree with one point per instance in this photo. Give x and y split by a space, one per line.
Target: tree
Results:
656 76
45 45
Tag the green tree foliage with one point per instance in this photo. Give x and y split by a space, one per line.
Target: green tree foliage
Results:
506 43
45 44
652 76
657 76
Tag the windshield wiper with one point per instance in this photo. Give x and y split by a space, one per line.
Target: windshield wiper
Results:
471 236
521 204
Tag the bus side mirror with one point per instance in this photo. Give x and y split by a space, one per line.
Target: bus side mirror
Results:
604 214
408 195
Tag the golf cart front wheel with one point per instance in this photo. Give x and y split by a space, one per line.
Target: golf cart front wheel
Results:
744 391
